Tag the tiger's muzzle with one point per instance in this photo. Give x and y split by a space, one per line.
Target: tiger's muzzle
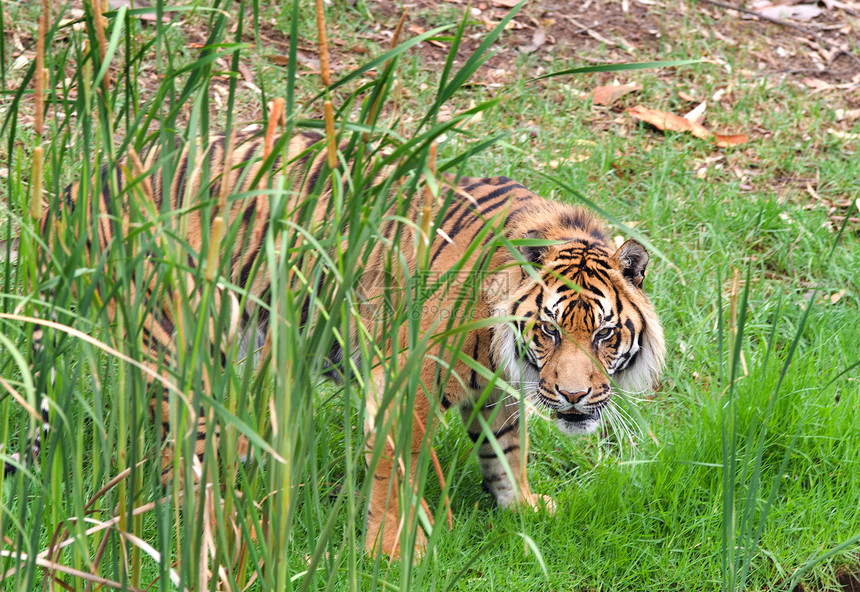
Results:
575 397
583 411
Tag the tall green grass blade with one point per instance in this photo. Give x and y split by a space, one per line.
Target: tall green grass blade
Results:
618 68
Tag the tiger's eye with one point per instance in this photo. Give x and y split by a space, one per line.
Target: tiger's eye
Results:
604 333
550 330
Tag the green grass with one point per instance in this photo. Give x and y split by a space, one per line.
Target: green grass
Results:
654 516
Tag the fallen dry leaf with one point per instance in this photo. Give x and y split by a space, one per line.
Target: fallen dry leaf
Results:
420 31
538 39
606 95
798 12
696 114
726 140
505 3
307 61
675 123
816 84
246 73
668 121
834 298
844 135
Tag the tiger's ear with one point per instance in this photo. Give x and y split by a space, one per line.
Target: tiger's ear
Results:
532 253
632 260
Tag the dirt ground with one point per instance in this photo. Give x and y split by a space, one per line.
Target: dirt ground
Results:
820 54
825 47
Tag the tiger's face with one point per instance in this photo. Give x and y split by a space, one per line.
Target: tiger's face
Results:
585 326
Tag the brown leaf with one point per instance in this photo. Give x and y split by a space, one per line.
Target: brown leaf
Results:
675 123
834 298
282 60
505 3
538 39
420 31
246 73
724 141
606 95
816 84
668 121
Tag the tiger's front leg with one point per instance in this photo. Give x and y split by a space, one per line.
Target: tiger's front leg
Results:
385 521
505 425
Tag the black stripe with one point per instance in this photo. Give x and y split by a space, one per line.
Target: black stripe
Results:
179 181
486 207
498 192
485 200
493 365
505 430
217 173
495 478
315 176
69 198
165 323
472 186
311 136
582 247
473 376
249 212
246 269
504 452
597 291
106 188
513 216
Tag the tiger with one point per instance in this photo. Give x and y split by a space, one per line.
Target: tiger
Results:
568 320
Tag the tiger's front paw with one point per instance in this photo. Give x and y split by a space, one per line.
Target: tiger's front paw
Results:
537 502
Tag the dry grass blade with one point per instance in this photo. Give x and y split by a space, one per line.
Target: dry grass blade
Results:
58 567
325 74
99 24
99 526
40 78
395 40
39 96
34 413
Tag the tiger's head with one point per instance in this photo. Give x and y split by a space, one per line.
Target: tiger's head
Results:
583 325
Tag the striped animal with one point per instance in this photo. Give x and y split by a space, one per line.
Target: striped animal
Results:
571 314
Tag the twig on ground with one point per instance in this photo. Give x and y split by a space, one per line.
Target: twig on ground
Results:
771 19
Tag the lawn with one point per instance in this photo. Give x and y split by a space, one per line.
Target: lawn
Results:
742 469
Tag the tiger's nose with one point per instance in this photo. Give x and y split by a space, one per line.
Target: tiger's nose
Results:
574 397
